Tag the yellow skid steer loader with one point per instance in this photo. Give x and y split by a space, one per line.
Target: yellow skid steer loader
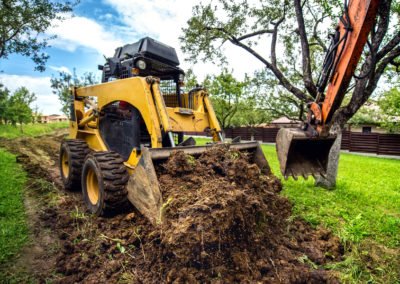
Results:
140 115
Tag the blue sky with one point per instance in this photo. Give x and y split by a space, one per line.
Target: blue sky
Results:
96 29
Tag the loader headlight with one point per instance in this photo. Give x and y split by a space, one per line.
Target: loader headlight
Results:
141 64
181 77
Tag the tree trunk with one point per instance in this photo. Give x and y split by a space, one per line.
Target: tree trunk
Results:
223 134
20 124
333 162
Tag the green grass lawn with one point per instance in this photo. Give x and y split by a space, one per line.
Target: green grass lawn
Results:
9 131
13 227
364 204
363 210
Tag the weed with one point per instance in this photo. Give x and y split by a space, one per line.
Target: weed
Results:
120 247
190 160
234 155
136 233
165 204
76 214
305 259
216 277
78 220
127 277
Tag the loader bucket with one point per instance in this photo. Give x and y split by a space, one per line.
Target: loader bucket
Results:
300 154
143 187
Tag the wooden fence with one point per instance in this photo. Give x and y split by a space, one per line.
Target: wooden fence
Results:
375 143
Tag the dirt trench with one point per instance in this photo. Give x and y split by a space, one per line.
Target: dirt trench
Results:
223 222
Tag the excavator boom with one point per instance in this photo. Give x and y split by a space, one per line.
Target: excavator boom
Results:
304 151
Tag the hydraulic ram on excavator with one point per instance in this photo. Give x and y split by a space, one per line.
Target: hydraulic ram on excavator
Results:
304 151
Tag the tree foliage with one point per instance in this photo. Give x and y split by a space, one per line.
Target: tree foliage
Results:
390 104
23 23
237 101
296 44
249 114
369 113
18 107
226 92
4 96
62 84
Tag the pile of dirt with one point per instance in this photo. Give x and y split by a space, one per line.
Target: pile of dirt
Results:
222 221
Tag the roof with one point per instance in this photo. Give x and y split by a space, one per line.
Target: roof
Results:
282 120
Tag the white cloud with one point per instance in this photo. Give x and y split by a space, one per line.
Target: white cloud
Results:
76 31
46 101
107 16
60 69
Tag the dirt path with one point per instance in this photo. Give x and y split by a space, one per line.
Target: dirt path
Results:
223 222
39 157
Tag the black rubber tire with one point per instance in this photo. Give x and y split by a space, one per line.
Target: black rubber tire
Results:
76 151
112 178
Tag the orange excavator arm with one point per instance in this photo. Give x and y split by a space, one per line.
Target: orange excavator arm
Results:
353 28
304 151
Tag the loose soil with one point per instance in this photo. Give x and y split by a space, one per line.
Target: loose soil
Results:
222 221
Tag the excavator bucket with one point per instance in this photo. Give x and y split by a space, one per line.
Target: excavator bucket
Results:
300 154
143 187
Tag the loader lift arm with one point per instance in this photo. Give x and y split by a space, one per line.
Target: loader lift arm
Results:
304 151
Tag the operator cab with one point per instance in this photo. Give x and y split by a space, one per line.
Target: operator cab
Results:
121 124
147 57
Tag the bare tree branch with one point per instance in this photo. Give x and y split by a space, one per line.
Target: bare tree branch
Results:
274 38
383 24
316 37
3 45
255 34
307 75
315 29
281 77
389 46
382 66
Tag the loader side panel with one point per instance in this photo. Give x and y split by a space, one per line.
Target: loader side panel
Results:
123 130
134 91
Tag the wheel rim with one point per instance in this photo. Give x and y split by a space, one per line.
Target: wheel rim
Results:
64 163
92 186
